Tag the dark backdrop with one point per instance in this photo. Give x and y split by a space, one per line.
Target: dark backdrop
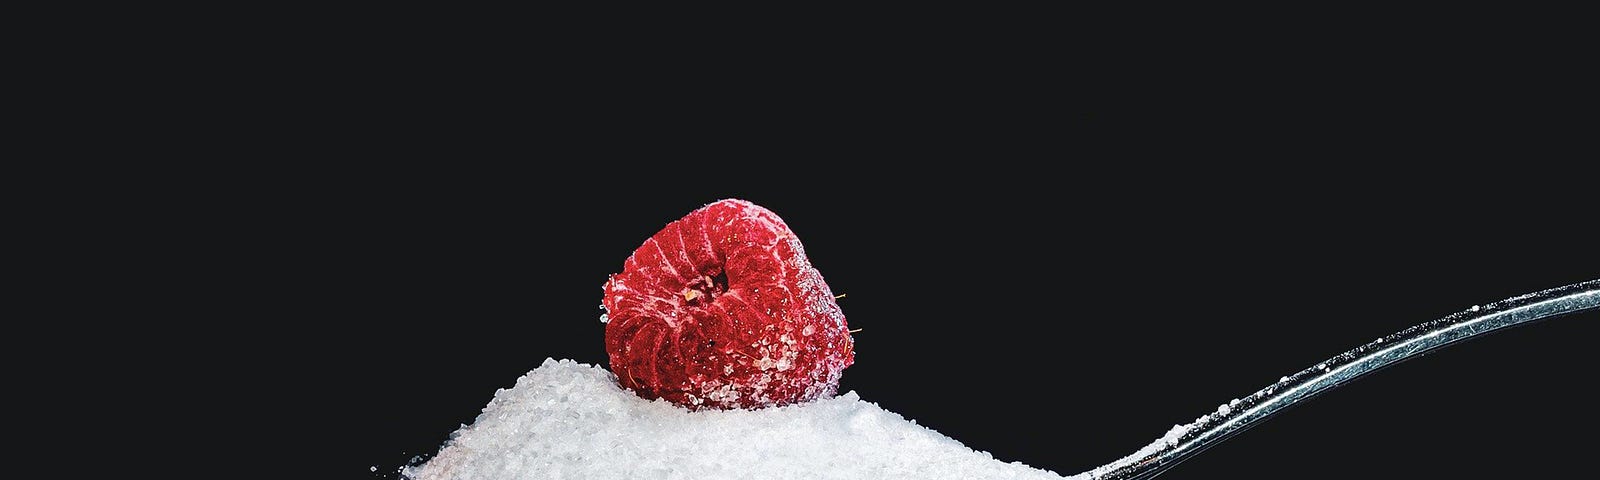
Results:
1049 271
1058 242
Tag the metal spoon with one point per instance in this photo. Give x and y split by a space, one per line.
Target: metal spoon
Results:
1186 441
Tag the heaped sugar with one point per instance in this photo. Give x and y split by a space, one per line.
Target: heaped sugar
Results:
570 420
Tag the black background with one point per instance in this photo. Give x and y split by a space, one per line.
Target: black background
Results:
1049 261
332 238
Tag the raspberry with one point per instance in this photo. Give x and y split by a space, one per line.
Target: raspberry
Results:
722 309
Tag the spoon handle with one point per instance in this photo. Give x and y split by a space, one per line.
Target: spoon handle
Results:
1237 416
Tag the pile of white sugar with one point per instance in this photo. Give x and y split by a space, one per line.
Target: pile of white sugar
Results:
566 420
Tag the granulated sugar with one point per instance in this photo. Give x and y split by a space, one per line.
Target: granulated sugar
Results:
566 420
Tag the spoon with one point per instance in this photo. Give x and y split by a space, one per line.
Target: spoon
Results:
1236 416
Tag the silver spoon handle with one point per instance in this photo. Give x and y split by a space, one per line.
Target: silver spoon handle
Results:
1239 415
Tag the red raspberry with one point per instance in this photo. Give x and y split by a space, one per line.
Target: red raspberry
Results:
722 309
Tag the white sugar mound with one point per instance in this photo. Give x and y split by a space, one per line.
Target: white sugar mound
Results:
566 420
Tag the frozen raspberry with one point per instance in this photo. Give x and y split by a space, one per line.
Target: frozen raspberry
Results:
722 309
